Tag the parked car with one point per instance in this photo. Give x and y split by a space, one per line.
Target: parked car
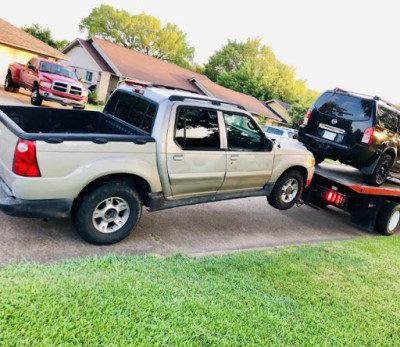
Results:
151 146
280 133
48 80
356 129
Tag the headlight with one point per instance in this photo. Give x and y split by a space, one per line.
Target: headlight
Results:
45 84
85 93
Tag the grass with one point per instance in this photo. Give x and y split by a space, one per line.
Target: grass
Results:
334 294
91 107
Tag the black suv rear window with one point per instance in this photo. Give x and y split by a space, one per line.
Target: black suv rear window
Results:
343 105
132 109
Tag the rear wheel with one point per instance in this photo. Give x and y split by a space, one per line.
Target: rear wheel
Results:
381 172
35 96
9 85
287 190
388 219
108 214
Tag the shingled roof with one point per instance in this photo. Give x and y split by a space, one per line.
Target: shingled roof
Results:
17 38
131 64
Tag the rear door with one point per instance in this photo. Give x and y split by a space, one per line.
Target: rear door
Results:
196 161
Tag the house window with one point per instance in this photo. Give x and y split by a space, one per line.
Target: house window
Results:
89 76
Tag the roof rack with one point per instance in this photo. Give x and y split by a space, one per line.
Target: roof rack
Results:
378 98
214 102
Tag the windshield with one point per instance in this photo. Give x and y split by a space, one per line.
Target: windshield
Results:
343 105
57 70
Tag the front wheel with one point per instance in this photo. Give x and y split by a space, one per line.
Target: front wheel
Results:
35 96
107 214
287 190
381 172
388 219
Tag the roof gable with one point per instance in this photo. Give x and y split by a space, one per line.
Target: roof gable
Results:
131 64
14 37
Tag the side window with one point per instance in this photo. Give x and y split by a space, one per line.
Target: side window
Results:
242 133
132 109
388 118
197 128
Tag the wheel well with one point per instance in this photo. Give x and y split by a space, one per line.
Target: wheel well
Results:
141 185
302 170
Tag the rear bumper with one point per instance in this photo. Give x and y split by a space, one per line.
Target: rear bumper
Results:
55 208
357 156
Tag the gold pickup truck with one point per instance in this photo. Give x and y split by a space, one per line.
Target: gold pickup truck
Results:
151 146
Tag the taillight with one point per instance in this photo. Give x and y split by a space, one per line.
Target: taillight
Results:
367 136
25 163
306 118
335 198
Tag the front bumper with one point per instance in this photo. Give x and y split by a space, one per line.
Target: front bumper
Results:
48 95
55 208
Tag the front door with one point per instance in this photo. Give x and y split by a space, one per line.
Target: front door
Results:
249 165
196 162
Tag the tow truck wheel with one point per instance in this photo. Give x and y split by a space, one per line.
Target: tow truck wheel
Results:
388 221
107 214
287 190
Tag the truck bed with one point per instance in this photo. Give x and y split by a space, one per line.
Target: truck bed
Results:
43 120
352 178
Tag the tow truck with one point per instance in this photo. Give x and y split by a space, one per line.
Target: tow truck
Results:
374 209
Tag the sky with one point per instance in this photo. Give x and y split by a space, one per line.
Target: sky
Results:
350 44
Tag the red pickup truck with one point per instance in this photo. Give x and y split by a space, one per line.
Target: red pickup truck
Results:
48 80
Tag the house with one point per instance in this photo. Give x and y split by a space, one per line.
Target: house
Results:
104 64
17 45
279 109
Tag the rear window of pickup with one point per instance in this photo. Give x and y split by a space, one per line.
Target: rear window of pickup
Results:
132 109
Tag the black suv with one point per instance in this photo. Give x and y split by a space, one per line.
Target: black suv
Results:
356 129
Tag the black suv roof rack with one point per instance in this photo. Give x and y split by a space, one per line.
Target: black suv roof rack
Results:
373 97
214 102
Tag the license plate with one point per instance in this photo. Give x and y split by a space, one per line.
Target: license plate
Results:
329 135
66 101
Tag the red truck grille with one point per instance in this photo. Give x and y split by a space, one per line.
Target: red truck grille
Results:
67 88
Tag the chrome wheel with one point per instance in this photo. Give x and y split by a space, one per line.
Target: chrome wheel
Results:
111 215
289 190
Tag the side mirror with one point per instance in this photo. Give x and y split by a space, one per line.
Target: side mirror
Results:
268 145
31 67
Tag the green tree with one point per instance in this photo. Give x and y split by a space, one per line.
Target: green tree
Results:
44 34
140 32
253 69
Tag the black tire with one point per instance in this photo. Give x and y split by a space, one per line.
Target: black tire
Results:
318 158
287 190
107 214
35 96
78 107
388 219
9 85
381 171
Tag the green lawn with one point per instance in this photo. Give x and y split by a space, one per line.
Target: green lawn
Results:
334 294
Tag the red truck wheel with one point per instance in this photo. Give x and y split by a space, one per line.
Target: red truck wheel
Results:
9 85
35 96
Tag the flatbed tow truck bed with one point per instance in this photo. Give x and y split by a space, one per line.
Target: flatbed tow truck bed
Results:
371 208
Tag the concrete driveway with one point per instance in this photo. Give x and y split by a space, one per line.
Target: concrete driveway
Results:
214 228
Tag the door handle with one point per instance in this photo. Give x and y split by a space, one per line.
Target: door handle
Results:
234 157
178 157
